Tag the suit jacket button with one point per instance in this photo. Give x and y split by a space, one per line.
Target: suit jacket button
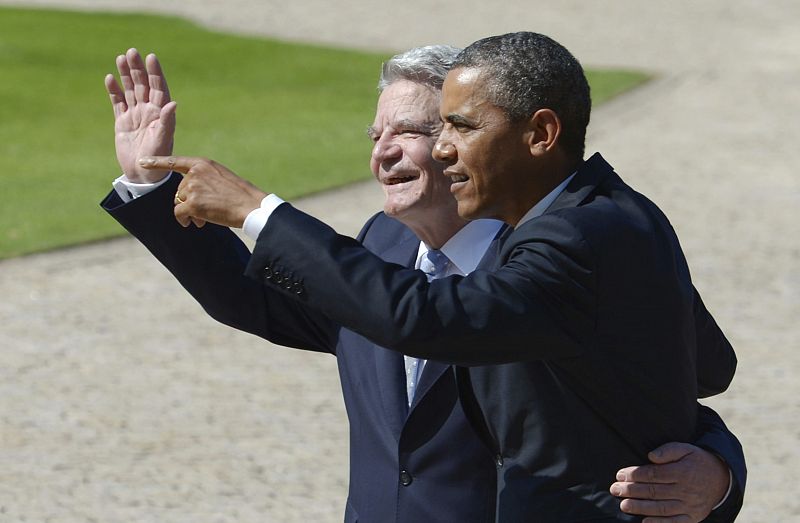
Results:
267 273
405 478
297 288
498 460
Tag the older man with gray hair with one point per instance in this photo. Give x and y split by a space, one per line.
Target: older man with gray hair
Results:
414 455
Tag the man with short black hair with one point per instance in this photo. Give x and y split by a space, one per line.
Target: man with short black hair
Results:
413 185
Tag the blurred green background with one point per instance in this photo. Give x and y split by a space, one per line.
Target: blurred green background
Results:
289 117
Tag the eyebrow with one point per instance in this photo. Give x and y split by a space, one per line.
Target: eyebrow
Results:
415 126
456 119
429 127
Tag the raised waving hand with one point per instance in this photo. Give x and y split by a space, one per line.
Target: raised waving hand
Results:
144 115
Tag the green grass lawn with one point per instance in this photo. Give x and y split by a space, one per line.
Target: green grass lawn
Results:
289 117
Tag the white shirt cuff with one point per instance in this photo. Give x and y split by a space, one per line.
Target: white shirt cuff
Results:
730 487
257 219
127 190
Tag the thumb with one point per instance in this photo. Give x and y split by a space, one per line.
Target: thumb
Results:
669 452
167 114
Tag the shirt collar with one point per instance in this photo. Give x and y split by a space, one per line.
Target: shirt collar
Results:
542 205
466 247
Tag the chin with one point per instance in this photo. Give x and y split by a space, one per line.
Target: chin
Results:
395 211
396 207
468 212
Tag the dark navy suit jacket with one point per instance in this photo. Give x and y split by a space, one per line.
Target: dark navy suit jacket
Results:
423 464
581 343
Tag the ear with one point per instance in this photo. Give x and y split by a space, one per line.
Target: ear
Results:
545 128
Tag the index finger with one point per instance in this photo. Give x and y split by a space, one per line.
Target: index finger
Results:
647 474
182 164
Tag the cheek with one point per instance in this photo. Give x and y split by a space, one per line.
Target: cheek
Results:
430 170
481 172
420 151
439 183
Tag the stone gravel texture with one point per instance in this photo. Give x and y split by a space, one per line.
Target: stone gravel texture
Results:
121 401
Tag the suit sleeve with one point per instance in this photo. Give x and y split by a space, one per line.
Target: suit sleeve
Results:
485 318
209 262
713 436
716 359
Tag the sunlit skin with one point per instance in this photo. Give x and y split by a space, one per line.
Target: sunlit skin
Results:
144 115
499 168
404 132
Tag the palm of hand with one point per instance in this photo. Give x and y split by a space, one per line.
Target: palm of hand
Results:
141 131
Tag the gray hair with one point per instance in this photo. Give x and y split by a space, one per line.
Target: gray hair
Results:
529 71
426 65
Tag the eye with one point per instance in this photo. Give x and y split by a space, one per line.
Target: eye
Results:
461 125
373 134
458 127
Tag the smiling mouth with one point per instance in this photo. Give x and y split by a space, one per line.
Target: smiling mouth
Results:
456 178
399 179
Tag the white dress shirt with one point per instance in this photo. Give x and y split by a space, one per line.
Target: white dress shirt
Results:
464 250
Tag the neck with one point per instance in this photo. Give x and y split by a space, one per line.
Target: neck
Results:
549 177
435 233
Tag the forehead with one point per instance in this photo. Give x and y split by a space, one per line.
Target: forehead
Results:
405 100
465 89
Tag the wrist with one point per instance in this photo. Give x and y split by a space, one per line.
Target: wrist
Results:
727 492
144 177
247 206
128 189
257 219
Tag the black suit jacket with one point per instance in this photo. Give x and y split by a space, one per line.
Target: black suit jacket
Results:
589 320
423 464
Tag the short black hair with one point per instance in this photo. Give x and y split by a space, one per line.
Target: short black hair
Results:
528 71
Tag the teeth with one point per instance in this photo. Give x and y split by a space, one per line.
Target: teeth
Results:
395 181
459 178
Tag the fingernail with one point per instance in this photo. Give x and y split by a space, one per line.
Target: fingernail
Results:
656 453
146 161
620 476
616 490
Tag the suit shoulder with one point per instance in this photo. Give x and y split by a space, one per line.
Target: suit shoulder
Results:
616 212
611 217
381 231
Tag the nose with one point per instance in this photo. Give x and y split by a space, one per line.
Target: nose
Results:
444 150
386 149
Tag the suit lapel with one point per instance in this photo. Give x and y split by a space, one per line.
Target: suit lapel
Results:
431 373
389 364
433 369
389 369
491 259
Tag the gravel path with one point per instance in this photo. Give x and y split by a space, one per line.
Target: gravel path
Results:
170 417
